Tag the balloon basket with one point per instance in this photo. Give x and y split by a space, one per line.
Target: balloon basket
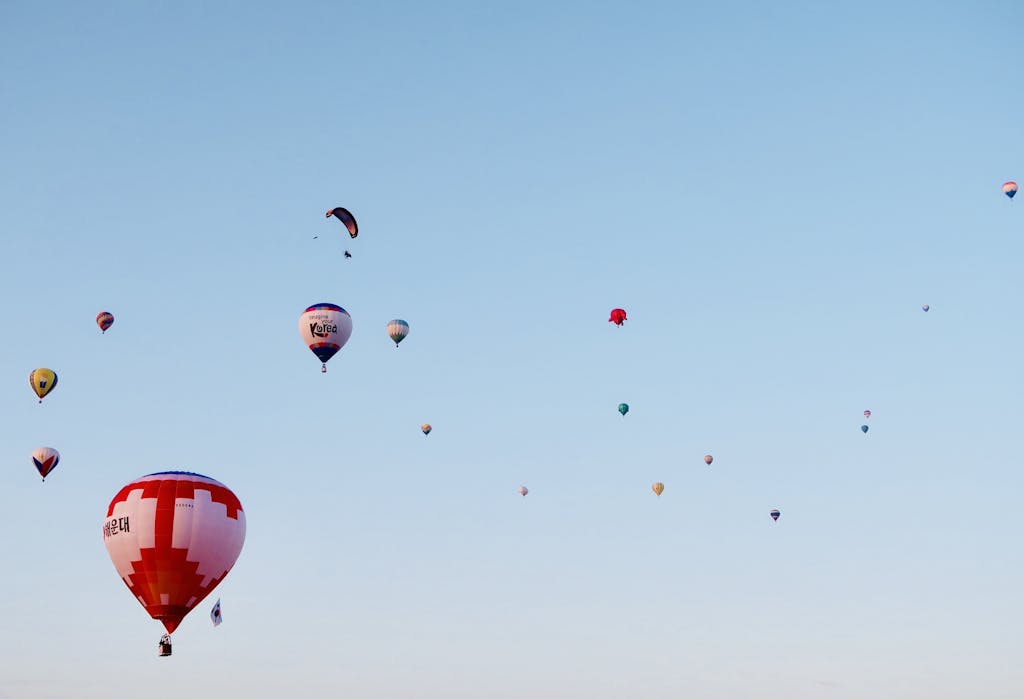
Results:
323 369
164 648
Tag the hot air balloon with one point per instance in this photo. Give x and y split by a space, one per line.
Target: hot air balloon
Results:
775 515
397 330
172 537
658 488
867 413
45 460
925 308
104 320
623 409
864 428
346 217
426 428
523 490
215 616
618 316
1010 188
325 328
42 382
708 459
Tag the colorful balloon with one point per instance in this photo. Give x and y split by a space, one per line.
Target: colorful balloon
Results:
925 308
172 537
867 413
426 428
618 316
397 330
708 459
658 488
864 428
775 515
45 459
523 490
104 320
325 328
623 409
42 382
346 217
1010 188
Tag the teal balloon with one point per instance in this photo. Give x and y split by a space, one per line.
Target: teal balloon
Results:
863 428
623 408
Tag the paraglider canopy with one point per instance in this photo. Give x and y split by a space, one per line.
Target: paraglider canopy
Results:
623 409
618 316
346 217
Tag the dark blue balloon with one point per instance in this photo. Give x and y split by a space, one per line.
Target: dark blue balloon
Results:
863 428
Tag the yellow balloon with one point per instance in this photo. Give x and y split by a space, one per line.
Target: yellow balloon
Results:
42 382
658 488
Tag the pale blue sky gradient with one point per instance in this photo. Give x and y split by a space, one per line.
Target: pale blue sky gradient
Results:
771 190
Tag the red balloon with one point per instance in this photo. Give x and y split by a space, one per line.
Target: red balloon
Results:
172 537
618 316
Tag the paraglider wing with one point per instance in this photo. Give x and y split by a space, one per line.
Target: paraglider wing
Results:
45 459
325 328
397 330
346 217
104 320
1010 188
42 382
172 537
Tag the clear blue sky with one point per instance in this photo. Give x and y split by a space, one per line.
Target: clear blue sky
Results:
771 190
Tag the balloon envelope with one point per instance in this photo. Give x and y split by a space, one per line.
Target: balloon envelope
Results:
346 217
104 320
775 515
1010 188
623 408
925 308
172 537
617 316
523 490
658 489
867 413
45 459
426 428
325 328
864 428
708 459
42 382
397 330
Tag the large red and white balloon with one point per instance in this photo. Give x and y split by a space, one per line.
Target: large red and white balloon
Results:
172 537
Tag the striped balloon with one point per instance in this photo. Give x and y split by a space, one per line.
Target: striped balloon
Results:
104 320
1010 188
172 537
397 330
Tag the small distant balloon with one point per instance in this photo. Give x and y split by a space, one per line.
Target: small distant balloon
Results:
346 217
708 459
397 330
925 308
775 515
523 490
864 428
104 320
1010 188
658 488
623 409
618 316
42 382
426 428
45 459
867 413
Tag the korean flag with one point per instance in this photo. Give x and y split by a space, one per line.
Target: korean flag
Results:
215 614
